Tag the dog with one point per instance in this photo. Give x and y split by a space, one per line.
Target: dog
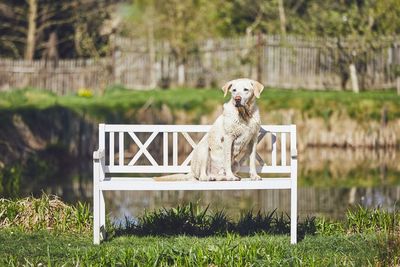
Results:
231 140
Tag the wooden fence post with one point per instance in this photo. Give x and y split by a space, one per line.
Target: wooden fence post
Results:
116 62
181 74
260 58
354 80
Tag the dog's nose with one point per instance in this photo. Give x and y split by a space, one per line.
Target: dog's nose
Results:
238 98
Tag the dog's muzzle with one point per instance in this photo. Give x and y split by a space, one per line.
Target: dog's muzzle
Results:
238 101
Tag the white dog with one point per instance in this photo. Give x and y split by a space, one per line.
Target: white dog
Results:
232 138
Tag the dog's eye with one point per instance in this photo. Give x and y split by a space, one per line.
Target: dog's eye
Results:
234 90
246 90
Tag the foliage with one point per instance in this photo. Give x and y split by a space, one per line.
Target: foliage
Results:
307 17
179 22
364 220
10 180
78 28
45 213
192 220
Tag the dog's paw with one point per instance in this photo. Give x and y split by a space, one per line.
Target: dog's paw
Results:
232 178
255 177
211 179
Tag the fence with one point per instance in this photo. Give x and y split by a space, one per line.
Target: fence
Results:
294 62
61 77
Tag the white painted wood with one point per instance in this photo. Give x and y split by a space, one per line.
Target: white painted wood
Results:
293 187
102 209
102 148
187 160
175 148
139 184
293 144
140 128
98 154
165 148
121 148
96 201
143 148
102 138
283 149
100 183
273 141
189 139
183 169
111 149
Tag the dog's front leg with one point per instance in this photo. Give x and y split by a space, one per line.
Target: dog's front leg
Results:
253 171
228 141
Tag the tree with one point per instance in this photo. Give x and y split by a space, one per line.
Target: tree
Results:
26 27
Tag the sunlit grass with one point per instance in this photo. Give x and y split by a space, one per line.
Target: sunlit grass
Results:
45 213
32 233
363 106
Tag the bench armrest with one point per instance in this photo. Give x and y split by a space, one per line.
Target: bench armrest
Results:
293 153
98 154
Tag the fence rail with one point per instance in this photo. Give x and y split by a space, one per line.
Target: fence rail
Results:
294 62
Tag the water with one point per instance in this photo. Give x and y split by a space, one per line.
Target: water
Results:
330 181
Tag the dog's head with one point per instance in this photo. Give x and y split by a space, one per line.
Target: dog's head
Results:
243 90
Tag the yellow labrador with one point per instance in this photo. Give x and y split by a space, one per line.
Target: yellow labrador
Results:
232 138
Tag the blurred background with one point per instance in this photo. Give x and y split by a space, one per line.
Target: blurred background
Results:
330 67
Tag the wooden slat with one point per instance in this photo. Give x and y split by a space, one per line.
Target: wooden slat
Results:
283 149
119 183
189 139
165 149
143 148
175 149
121 148
111 149
184 169
273 139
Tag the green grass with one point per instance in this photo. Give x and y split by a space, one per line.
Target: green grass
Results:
118 101
20 248
365 237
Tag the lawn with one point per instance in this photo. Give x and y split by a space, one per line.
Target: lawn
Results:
46 231
33 248
363 106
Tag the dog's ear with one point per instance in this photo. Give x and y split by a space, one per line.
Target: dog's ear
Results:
226 87
258 88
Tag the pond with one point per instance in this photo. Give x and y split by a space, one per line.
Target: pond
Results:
330 181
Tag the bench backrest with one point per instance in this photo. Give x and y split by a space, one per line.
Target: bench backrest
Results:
120 142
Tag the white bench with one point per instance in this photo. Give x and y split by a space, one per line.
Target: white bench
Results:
106 169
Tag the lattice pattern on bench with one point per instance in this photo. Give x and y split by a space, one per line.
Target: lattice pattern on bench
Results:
137 155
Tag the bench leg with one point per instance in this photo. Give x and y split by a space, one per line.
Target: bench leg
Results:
293 204
96 216
293 216
102 208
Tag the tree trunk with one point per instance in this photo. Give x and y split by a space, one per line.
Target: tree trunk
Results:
152 53
31 34
282 18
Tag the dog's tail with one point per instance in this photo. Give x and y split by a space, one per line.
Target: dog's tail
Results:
175 177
